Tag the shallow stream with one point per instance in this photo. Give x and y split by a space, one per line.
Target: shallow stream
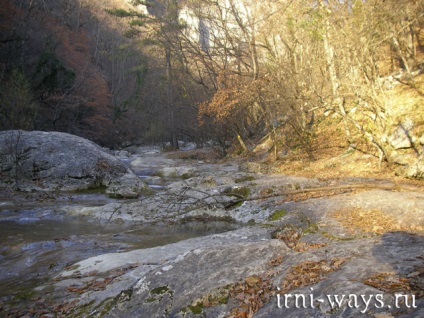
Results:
36 242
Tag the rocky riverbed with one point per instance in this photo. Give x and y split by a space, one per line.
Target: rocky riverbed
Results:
304 248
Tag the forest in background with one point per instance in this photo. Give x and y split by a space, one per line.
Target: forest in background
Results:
305 76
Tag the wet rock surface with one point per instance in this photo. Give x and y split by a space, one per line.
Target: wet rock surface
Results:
346 246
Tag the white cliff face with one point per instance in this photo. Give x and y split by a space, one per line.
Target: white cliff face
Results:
192 21
213 24
210 25
141 8
226 31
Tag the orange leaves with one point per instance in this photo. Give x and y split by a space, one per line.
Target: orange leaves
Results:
371 221
291 237
275 261
393 283
252 293
223 105
99 284
95 285
309 273
304 247
388 282
232 101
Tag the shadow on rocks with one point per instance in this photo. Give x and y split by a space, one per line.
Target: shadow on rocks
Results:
403 286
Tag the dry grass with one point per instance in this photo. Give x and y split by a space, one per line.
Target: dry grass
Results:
330 157
406 100
354 164
370 221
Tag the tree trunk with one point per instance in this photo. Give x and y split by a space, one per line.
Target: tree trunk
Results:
242 144
338 102
170 99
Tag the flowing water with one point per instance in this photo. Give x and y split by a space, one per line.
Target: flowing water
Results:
36 243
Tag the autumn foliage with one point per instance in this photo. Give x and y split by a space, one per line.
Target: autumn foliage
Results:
297 73
56 74
227 104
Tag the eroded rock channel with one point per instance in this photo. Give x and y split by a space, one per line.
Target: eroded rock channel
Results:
293 247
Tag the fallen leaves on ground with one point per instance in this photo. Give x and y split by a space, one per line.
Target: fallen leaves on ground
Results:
40 307
101 284
256 290
388 282
291 237
302 196
304 247
91 286
252 293
65 307
288 235
309 273
394 283
273 262
370 221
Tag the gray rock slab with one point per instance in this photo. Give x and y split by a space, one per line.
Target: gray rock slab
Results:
407 208
199 272
169 291
51 161
162 254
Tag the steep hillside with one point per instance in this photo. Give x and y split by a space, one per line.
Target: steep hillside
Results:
314 79
57 68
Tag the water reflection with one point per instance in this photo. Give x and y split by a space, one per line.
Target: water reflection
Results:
33 248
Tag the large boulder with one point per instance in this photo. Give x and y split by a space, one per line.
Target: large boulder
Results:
412 171
48 161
